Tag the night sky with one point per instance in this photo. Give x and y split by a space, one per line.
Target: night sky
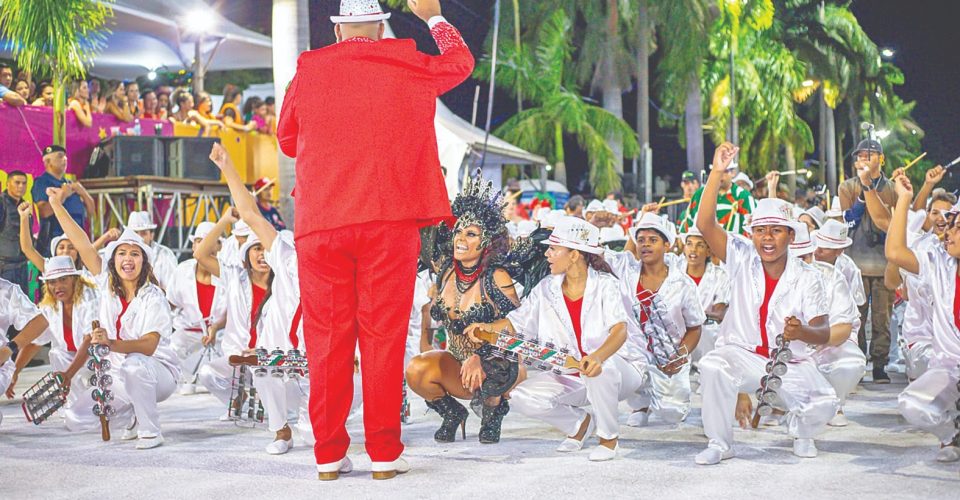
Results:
920 32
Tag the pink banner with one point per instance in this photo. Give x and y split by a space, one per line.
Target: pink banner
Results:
28 129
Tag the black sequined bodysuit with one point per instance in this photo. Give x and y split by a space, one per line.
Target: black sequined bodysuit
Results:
494 305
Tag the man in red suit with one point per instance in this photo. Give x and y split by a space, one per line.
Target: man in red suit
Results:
359 118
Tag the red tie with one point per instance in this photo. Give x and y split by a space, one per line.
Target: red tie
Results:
294 339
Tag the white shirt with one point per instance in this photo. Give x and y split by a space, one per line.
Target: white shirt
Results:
278 314
85 311
239 296
918 314
164 263
182 293
543 314
799 293
16 310
714 287
230 252
939 270
851 273
843 310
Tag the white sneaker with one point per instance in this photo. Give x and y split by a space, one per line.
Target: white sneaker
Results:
712 456
804 448
838 420
279 447
332 470
949 453
226 417
146 443
570 444
187 389
601 453
130 433
389 470
639 418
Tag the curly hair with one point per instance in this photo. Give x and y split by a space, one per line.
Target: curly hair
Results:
116 282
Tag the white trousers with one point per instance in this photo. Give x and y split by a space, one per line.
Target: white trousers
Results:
216 376
139 383
929 402
843 366
279 395
667 397
188 346
917 357
809 399
78 411
708 340
6 374
559 399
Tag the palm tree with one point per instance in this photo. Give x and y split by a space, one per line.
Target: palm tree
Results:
557 109
57 36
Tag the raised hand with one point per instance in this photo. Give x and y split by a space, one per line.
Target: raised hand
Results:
935 175
424 9
218 155
902 186
231 216
25 209
724 156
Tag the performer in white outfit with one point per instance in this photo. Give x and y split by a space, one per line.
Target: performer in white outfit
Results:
841 361
163 260
70 304
135 321
772 295
17 311
713 289
199 312
831 240
659 284
578 308
230 253
930 401
278 317
916 332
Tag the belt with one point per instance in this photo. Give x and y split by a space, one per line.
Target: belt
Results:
194 330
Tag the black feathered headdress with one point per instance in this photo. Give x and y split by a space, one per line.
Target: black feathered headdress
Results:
480 204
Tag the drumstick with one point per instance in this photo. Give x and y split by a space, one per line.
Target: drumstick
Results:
954 162
801 171
914 162
263 187
674 202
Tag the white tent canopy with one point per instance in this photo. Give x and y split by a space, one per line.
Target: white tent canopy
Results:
150 34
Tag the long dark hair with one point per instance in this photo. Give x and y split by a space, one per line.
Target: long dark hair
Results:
116 283
266 296
597 263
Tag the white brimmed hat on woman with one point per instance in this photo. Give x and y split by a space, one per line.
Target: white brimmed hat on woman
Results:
575 233
140 221
802 244
774 212
360 11
58 267
202 230
655 222
833 235
241 229
128 237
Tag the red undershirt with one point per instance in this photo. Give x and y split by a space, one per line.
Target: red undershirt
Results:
205 298
297 316
770 285
123 310
258 294
640 293
956 302
696 279
68 334
575 307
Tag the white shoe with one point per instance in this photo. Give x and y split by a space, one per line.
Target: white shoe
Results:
601 453
639 418
712 456
570 444
279 447
146 443
804 448
389 470
838 420
226 417
332 470
130 433
187 389
949 453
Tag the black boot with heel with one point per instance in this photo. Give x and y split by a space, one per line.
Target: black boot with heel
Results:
454 415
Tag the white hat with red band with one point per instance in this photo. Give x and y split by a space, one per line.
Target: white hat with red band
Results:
774 212
802 244
59 267
575 233
655 222
833 234
360 11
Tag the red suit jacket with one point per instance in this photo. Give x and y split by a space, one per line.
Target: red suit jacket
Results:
359 118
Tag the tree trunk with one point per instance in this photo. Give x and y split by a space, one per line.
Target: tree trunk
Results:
643 91
516 35
291 36
693 125
822 136
831 151
610 84
560 165
60 111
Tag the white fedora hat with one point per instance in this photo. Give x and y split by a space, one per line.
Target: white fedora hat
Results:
575 233
129 237
835 209
655 222
743 177
611 206
241 229
802 244
360 11
612 234
774 212
833 234
691 231
202 230
58 267
817 214
594 206
56 241
140 221
247 245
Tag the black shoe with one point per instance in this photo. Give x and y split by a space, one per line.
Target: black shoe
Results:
492 420
880 376
454 415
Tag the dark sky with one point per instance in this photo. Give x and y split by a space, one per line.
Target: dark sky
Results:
920 31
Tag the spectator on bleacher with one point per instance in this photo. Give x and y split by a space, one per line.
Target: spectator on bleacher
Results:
151 106
13 262
271 103
45 95
133 98
265 204
187 114
78 203
7 95
230 110
97 102
163 102
205 110
255 111
79 102
22 87
117 103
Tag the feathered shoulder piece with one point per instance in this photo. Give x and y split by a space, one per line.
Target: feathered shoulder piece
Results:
526 262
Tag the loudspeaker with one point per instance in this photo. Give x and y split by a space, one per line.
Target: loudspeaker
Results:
135 155
190 158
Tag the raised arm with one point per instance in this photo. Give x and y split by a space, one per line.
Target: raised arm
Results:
246 203
773 182
713 233
79 238
930 181
896 247
206 251
455 62
26 242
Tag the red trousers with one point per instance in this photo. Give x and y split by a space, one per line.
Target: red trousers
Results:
356 284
